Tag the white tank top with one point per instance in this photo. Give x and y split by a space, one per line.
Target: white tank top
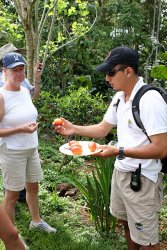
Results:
18 110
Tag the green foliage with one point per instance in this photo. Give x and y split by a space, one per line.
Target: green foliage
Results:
126 24
82 108
97 194
78 107
119 23
159 72
81 81
10 29
73 19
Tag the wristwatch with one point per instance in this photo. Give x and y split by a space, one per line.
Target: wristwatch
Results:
121 155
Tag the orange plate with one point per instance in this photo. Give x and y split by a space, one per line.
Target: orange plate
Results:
86 151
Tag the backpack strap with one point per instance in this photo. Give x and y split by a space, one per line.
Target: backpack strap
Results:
116 104
136 100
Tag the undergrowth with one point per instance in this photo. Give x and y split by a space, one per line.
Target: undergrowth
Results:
75 230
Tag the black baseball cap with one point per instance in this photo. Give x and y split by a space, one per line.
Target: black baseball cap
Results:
119 55
12 60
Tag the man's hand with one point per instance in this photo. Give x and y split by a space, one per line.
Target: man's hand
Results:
107 151
66 129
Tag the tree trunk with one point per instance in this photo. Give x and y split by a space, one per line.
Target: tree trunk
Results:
24 10
30 54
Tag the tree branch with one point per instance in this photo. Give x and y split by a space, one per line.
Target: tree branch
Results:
71 41
18 9
49 36
43 15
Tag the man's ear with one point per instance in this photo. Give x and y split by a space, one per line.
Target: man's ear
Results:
129 71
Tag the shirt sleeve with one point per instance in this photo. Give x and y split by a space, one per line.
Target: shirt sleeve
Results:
27 85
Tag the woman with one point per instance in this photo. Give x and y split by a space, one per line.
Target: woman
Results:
19 156
9 234
34 90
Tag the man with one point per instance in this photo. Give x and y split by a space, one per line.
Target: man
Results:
138 211
34 90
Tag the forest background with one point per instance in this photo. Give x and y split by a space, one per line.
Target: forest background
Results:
71 38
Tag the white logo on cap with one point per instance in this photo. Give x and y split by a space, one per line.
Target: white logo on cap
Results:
16 57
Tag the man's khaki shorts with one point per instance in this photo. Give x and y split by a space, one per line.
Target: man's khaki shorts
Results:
19 166
139 209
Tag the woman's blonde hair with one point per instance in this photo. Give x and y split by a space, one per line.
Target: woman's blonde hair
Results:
4 77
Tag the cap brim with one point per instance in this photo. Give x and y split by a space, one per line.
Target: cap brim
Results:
13 65
104 67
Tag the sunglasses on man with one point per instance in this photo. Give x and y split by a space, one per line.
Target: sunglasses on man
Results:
114 71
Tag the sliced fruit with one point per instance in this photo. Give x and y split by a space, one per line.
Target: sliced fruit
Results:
76 149
92 146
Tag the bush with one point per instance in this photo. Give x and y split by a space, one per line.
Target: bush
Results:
78 106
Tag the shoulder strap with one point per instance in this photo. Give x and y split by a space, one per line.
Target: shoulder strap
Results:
136 100
116 104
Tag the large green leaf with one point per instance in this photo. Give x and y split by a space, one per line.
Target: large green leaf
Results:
159 72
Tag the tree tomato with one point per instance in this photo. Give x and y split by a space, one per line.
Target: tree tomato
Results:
76 149
76 144
72 142
92 146
57 122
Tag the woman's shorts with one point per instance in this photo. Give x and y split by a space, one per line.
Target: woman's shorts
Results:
19 167
139 209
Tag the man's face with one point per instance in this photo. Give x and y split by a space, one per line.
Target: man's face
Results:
16 74
118 77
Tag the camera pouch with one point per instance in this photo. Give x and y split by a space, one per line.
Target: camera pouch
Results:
135 182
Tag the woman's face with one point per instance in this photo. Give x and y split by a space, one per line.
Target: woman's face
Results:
15 75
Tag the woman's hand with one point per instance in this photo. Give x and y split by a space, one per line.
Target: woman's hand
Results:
28 128
38 72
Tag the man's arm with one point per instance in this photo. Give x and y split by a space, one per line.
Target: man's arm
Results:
157 149
93 131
